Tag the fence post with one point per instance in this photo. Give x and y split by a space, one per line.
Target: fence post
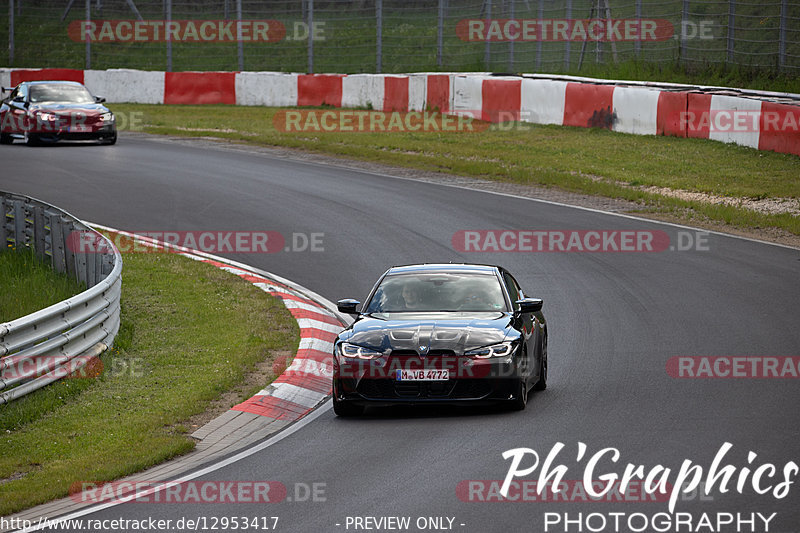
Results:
731 23
486 50
88 60
168 17
10 32
598 56
539 41
511 42
567 15
684 24
637 44
310 36
440 35
782 42
378 36
239 42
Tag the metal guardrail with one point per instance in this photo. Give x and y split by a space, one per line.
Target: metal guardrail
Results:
40 348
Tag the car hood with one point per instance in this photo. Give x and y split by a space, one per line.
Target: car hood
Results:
55 107
430 332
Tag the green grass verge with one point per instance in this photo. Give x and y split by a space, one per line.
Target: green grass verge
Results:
29 284
591 161
190 332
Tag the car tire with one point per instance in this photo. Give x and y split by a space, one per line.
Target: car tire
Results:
521 396
5 138
542 383
110 140
346 409
32 140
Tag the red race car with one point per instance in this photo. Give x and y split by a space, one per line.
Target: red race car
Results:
41 112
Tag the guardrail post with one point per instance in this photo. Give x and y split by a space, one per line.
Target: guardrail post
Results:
75 268
39 238
57 242
3 225
19 224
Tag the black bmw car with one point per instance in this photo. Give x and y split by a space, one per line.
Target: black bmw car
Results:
440 333
41 112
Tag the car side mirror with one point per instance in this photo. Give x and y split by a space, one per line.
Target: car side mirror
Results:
348 306
99 99
530 305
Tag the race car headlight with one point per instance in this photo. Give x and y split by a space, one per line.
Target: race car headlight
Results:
357 352
107 117
495 350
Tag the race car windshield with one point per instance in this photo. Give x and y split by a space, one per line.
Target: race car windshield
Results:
438 292
60 92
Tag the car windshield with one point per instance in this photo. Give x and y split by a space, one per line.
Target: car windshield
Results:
437 292
60 92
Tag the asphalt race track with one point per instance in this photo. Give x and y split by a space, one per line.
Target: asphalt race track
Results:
615 319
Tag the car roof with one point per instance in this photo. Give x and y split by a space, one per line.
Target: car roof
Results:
44 82
442 267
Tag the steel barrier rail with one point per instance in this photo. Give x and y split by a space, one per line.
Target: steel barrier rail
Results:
50 344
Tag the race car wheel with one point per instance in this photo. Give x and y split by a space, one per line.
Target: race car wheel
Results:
32 140
5 138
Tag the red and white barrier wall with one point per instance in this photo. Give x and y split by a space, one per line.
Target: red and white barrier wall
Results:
758 123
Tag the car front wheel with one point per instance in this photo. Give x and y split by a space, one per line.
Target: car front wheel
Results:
5 138
521 397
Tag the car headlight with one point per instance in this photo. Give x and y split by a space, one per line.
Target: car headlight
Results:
47 117
495 350
107 117
354 351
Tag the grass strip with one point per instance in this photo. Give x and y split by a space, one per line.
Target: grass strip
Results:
590 161
190 334
28 284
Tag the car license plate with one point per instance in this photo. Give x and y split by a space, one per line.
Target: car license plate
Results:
80 128
422 375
